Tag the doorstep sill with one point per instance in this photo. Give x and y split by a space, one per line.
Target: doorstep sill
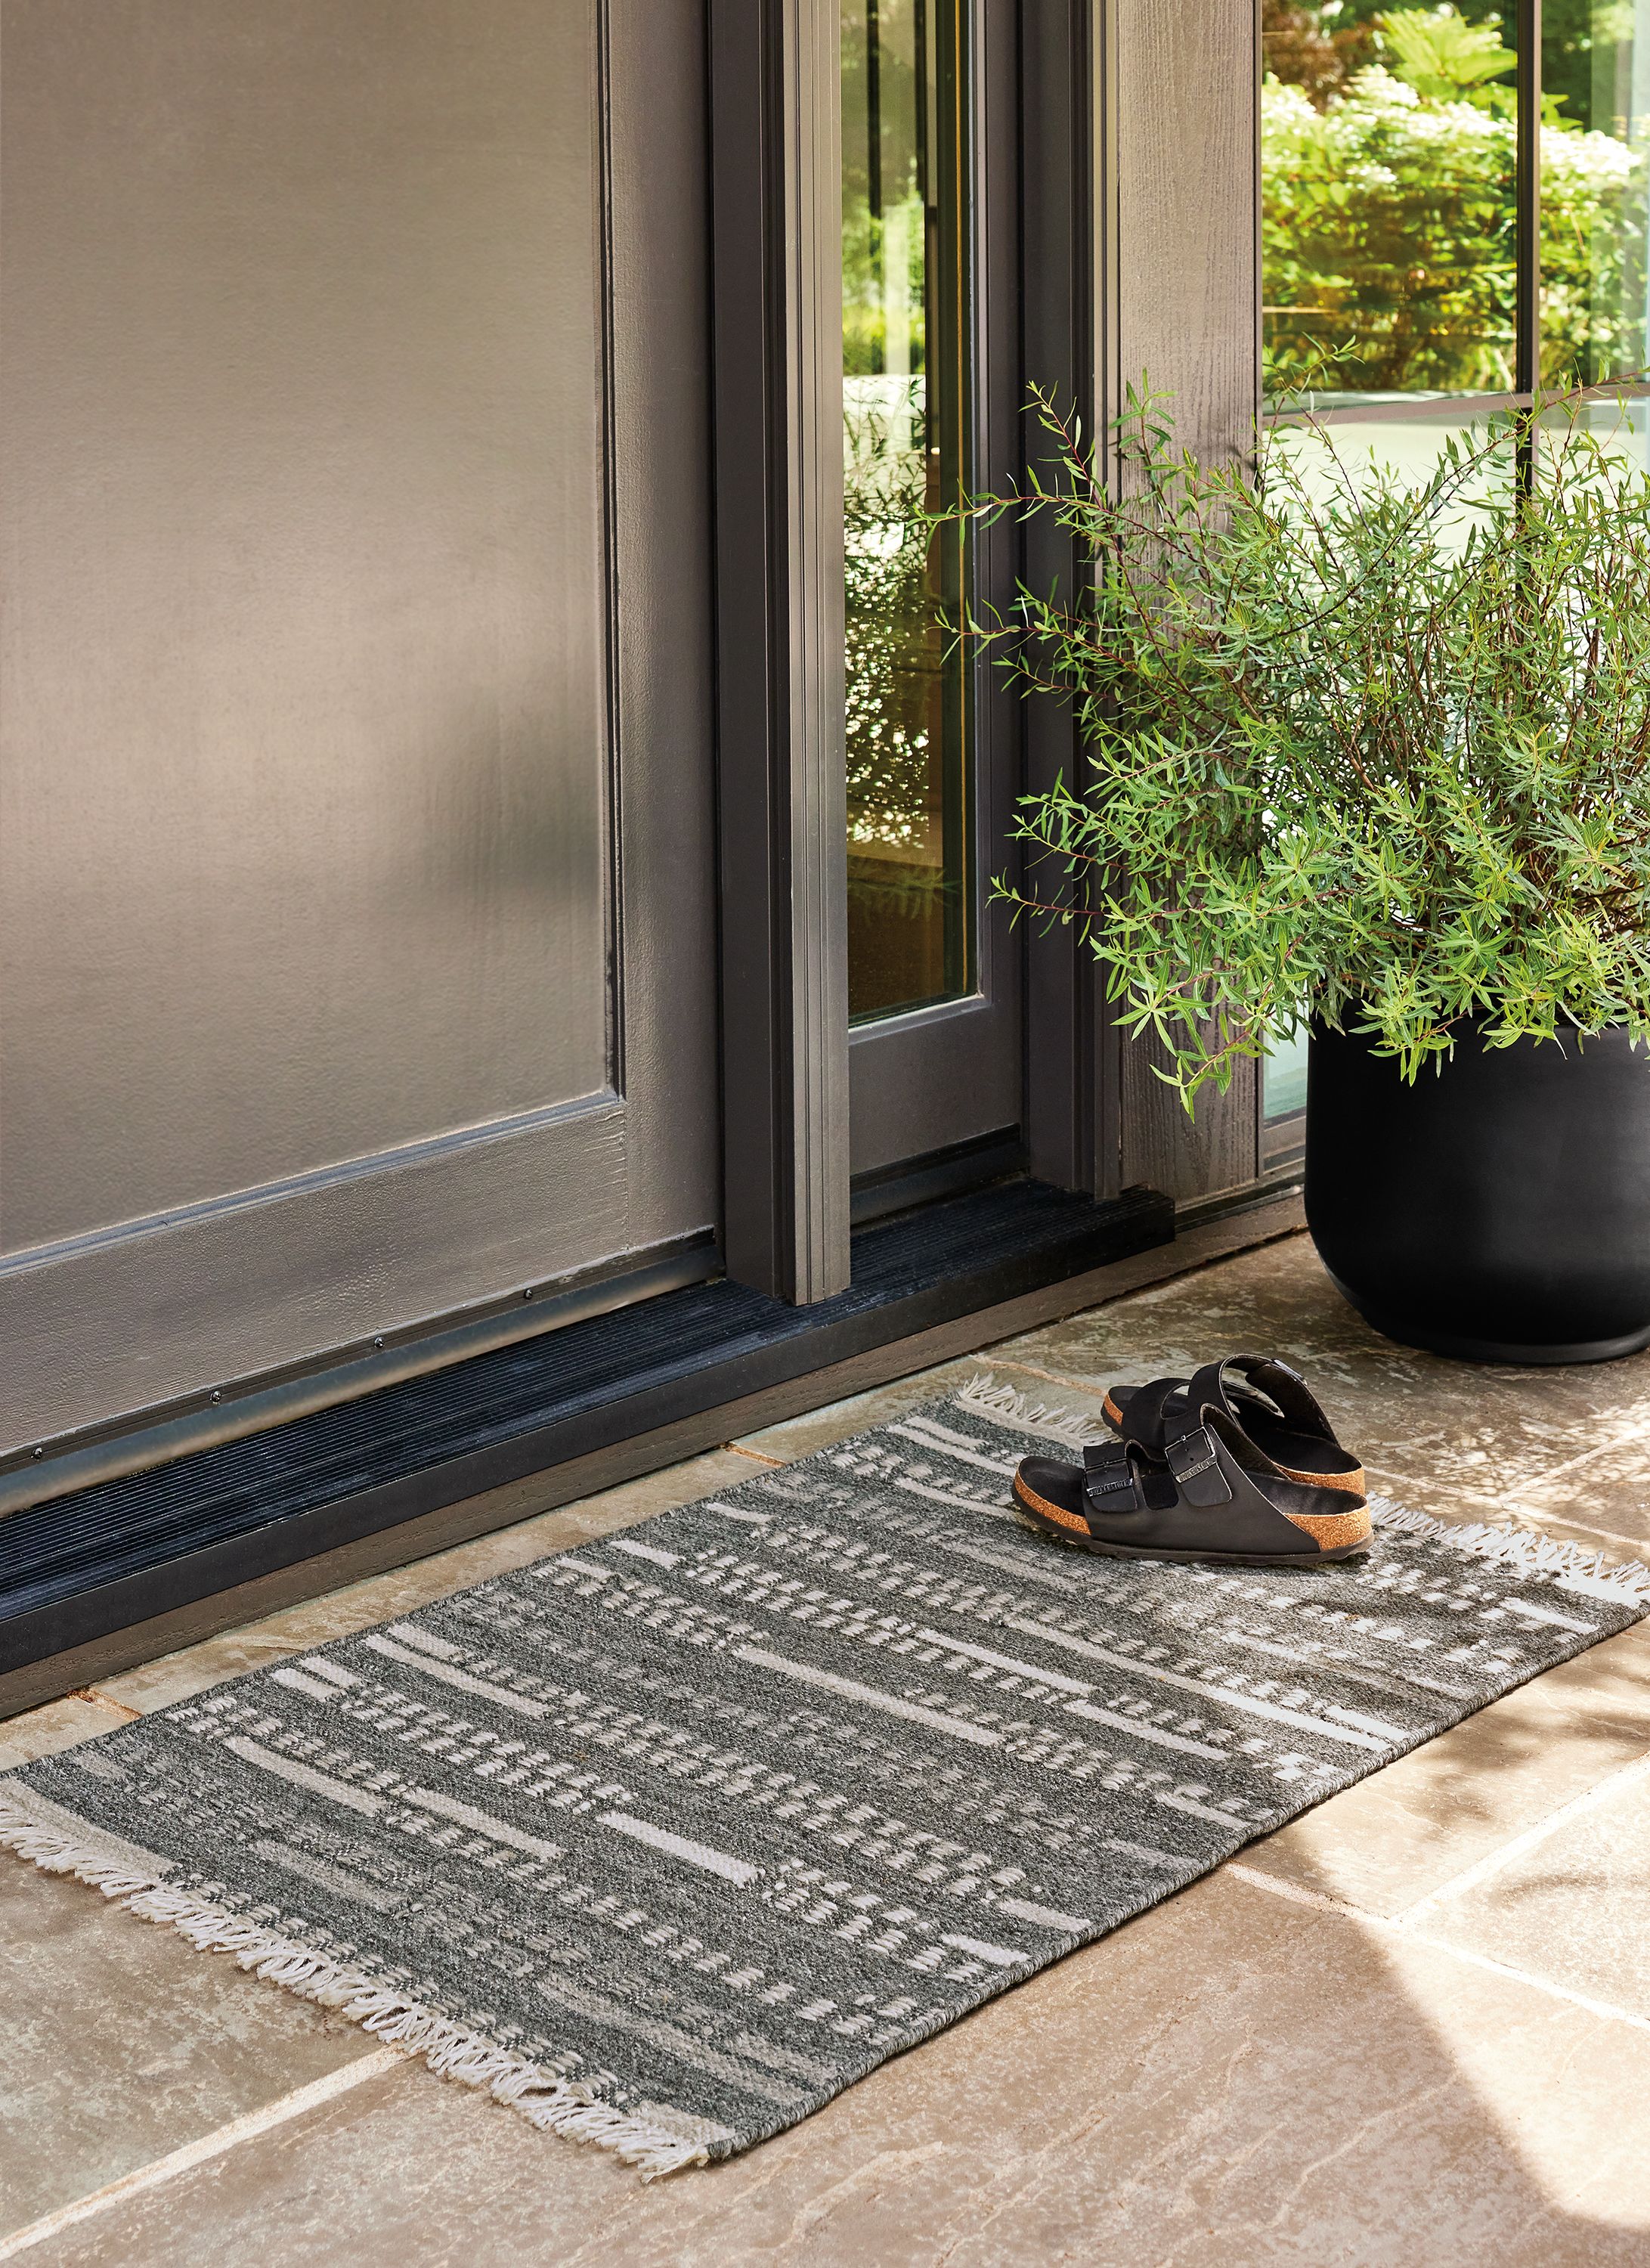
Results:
139 1546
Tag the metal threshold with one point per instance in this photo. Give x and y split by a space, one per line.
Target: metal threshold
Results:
141 1544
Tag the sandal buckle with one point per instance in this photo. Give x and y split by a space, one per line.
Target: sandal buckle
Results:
1106 1469
1196 1469
1193 1453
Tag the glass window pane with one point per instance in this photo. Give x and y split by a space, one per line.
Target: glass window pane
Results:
1284 1079
1336 462
1594 162
1389 148
904 420
1620 427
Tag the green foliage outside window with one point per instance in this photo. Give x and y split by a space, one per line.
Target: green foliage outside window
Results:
874 244
1444 57
1388 166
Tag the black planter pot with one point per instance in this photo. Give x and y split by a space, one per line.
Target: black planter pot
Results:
1499 1211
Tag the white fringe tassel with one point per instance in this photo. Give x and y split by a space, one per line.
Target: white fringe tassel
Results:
558 2106
1008 1408
1524 1551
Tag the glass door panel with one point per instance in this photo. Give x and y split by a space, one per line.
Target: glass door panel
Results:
1594 191
1389 206
910 882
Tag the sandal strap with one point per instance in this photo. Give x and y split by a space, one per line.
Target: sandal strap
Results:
1214 1468
1108 1477
1211 1388
1195 1467
1153 1413
1218 1464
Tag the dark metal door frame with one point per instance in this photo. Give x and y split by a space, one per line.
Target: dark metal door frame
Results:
775 101
1069 343
776 315
1142 220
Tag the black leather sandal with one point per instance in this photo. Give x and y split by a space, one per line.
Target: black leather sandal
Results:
1263 1397
1215 1497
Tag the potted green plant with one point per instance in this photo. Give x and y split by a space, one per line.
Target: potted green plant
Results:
1368 759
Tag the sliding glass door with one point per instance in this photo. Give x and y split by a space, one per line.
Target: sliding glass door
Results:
904 401
910 458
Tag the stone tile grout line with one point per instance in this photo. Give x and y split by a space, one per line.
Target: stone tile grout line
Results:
1483 1869
101 1700
204 2149
1498 1506
1507 1508
1630 1428
1406 1924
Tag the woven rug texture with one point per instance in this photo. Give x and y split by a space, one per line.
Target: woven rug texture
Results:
667 1839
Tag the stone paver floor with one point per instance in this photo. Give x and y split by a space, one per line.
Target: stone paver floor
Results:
1413 2028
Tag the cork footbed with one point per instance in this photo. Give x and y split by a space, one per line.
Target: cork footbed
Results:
1352 1484
1055 1512
1330 1530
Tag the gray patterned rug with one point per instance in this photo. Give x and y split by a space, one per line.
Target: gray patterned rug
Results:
667 1840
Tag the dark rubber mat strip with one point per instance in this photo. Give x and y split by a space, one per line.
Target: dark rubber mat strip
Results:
79 1566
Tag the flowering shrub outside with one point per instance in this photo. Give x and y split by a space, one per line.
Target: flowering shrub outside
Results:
1388 222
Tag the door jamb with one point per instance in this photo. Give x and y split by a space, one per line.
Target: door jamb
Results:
782 811
1073 1079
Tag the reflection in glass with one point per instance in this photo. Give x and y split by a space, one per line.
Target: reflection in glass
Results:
1336 462
1620 427
1388 150
909 882
1284 1079
1595 168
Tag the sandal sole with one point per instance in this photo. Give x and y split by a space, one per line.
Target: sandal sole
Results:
1045 1524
